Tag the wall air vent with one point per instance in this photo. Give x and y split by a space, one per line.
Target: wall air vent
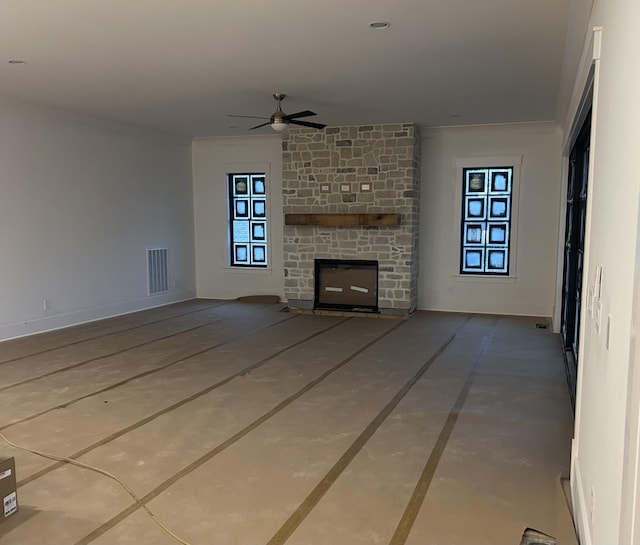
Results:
157 271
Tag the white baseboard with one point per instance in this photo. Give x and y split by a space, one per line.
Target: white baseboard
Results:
51 322
580 508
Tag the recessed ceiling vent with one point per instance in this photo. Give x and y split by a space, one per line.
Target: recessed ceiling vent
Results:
157 270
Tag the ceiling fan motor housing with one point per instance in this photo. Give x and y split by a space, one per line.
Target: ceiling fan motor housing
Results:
279 116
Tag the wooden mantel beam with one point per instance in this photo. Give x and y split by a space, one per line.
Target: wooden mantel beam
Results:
336 220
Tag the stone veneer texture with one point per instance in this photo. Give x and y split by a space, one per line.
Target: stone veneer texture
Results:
387 157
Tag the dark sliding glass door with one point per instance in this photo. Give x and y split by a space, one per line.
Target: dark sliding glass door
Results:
574 251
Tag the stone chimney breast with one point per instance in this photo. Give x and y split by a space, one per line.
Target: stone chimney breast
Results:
367 169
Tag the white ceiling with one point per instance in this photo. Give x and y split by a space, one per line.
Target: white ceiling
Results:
182 65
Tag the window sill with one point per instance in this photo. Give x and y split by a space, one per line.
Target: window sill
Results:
249 270
481 279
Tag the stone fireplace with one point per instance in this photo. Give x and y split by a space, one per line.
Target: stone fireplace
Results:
345 182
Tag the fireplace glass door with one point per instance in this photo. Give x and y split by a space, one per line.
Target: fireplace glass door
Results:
346 285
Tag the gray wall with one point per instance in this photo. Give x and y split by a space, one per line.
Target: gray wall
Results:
81 202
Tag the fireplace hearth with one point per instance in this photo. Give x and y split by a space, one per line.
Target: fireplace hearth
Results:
346 284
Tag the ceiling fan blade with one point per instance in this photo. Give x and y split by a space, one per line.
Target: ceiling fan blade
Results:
262 125
249 116
305 113
307 124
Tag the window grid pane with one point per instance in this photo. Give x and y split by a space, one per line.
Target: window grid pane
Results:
248 220
486 221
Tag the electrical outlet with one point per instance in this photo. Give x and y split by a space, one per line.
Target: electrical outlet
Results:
46 304
597 284
590 301
598 316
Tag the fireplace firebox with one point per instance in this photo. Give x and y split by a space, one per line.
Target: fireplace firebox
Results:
344 284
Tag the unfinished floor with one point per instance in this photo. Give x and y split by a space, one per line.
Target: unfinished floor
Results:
240 423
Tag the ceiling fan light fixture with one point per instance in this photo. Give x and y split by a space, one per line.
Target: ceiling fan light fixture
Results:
279 126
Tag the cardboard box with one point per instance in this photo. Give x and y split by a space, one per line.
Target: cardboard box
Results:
8 493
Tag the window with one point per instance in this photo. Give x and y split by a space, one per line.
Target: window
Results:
486 220
248 220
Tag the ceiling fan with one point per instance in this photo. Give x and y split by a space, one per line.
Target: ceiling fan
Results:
279 121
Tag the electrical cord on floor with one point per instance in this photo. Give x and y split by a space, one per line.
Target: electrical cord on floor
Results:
102 472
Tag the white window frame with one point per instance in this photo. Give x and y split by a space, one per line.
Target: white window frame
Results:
239 168
488 161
